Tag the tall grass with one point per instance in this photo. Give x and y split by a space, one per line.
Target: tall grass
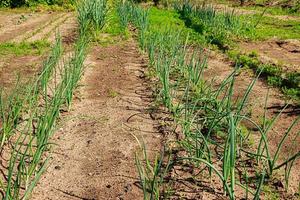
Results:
219 28
92 15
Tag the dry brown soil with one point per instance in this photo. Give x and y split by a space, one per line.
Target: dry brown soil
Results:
286 52
94 156
31 27
23 67
17 27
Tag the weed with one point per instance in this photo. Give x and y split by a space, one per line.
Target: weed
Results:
112 93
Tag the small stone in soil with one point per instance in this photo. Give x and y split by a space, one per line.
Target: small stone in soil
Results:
128 188
108 186
57 167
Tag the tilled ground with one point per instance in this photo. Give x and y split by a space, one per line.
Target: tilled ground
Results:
30 27
35 26
94 156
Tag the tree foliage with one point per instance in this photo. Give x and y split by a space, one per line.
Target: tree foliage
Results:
19 3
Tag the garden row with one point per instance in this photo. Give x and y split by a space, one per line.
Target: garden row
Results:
30 112
214 142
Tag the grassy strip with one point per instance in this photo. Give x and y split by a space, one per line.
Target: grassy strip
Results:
269 27
24 48
210 116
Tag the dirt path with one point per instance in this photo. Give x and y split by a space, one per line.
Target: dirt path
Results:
94 156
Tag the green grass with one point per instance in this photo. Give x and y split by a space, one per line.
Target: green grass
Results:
270 27
273 10
220 28
171 19
113 31
168 18
24 48
113 26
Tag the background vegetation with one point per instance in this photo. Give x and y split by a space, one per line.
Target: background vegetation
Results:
19 3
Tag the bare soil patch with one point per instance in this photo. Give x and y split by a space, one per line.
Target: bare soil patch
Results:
24 66
94 156
61 25
11 29
67 29
285 52
37 26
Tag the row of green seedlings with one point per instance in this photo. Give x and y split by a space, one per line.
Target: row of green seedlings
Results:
13 104
203 112
92 15
28 116
218 28
129 13
19 110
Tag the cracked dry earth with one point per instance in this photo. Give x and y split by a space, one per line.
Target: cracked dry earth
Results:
97 139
